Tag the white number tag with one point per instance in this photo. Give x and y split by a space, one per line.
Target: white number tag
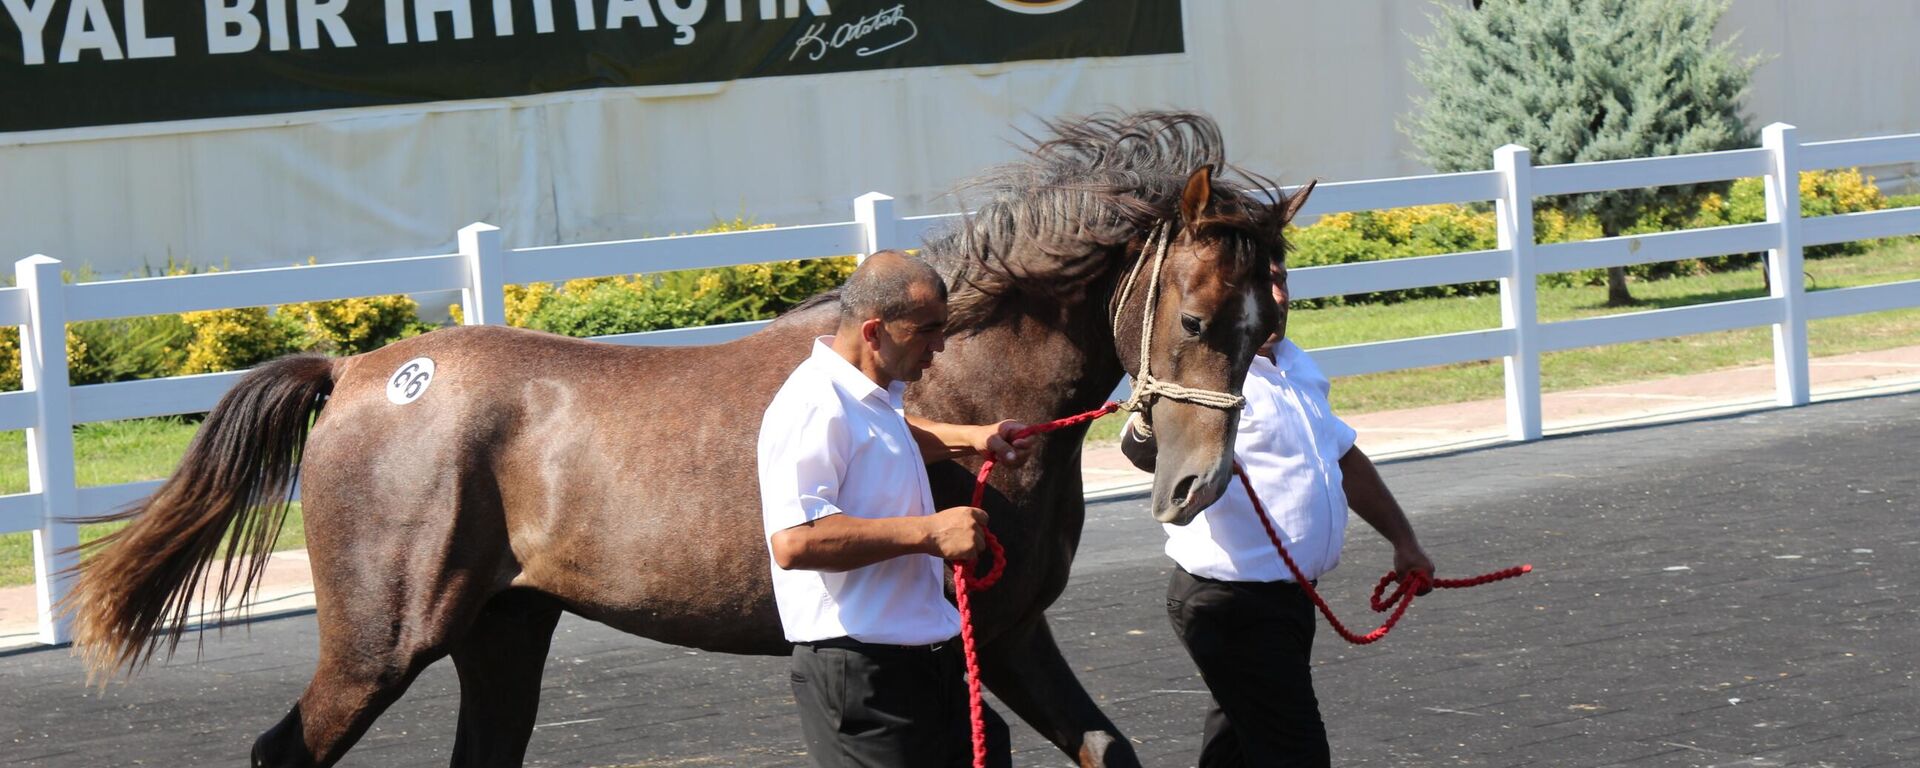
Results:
410 382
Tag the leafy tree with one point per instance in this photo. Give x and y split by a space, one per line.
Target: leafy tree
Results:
1582 81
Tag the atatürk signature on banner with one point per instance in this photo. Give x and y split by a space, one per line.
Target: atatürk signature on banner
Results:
815 45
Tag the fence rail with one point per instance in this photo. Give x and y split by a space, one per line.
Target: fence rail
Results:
13 306
48 407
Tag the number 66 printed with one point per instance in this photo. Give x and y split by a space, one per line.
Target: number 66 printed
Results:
410 382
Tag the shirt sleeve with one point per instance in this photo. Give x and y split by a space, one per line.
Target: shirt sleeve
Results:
1343 434
803 460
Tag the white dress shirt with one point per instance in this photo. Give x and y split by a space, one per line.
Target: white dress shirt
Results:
833 442
1290 443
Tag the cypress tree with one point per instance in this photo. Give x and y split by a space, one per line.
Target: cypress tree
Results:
1581 81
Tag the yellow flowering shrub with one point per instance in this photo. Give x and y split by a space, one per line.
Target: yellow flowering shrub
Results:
9 358
629 303
12 376
231 339
1425 230
1822 193
1555 226
1422 230
353 326
521 302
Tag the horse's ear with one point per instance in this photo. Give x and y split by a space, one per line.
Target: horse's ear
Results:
1198 194
1296 201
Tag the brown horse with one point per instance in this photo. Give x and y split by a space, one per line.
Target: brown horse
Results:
460 513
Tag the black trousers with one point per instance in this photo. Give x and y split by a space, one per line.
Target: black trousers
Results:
1252 642
886 705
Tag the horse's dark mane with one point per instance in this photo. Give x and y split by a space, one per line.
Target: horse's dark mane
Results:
823 297
1050 224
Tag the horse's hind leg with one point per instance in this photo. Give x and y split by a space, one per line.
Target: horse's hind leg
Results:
390 600
500 661
347 692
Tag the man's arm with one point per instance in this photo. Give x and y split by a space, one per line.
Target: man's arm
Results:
842 542
1137 443
1367 494
939 441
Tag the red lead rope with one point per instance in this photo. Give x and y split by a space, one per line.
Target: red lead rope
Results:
965 580
1399 601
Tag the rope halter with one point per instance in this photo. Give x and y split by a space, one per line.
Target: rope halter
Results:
1145 386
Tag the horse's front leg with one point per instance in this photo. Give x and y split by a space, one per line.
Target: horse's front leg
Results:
1025 669
500 661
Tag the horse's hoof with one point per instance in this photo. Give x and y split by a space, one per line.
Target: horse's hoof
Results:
1100 749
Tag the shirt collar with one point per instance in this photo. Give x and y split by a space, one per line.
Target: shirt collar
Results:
850 379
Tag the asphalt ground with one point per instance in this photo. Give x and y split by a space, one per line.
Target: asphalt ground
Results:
1729 592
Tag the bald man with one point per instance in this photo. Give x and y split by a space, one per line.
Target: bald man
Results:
858 549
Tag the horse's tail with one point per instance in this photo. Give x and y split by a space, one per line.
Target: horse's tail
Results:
233 487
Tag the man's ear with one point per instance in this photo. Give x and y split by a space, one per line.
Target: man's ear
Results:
870 332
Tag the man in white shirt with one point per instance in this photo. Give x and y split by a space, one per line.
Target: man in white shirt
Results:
858 550
1232 601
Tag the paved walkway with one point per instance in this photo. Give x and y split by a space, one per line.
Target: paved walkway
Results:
1385 435
1400 434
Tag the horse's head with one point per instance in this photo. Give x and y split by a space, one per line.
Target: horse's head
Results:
1131 203
1189 315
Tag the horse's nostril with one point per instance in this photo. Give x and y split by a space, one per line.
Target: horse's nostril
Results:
1181 488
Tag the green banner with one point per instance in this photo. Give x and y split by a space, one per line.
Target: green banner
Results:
67 63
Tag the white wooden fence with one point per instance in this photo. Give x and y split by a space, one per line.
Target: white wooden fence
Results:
42 305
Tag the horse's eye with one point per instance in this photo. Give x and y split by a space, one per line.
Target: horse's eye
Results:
1191 324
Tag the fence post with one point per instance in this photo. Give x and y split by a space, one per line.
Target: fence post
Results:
1785 267
1519 306
486 293
874 211
50 470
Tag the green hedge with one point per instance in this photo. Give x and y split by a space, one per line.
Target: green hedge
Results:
230 339
157 346
630 304
1345 238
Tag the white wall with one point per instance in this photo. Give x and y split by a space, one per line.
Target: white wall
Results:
1301 88
1839 69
